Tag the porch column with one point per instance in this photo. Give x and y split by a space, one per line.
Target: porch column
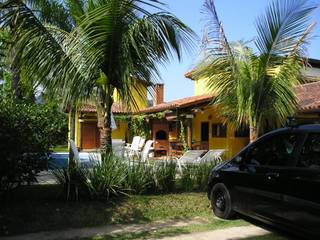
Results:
189 132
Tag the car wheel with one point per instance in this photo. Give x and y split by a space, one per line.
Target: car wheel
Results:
221 201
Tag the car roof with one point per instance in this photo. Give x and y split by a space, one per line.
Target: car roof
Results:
299 128
310 127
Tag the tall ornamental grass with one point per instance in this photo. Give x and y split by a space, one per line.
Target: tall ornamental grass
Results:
114 177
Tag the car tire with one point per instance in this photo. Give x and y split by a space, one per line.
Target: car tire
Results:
221 201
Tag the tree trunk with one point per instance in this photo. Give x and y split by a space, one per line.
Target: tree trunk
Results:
253 133
104 124
72 131
15 71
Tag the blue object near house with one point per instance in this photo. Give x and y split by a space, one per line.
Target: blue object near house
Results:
60 160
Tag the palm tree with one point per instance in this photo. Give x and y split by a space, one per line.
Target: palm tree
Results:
49 11
256 89
115 44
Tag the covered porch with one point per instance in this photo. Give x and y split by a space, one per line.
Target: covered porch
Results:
191 123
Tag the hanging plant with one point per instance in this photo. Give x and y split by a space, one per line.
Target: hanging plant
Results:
139 126
183 137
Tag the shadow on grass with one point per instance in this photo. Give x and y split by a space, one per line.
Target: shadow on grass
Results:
43 208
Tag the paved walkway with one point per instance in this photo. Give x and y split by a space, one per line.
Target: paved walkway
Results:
104 230
233 233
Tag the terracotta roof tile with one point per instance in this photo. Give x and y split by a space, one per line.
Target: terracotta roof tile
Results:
180 103
91 108
309 96
308 99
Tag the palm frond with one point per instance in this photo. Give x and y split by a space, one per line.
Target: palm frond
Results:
281 27
215 40
50 64
77 9
127 43
116 46
52 12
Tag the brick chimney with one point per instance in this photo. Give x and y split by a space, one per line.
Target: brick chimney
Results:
158 94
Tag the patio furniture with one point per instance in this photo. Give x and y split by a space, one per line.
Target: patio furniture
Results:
214 155
176 149
146 151
190 157
196 145
135 142
135 147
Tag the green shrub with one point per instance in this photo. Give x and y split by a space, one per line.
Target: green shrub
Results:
27 131
108 178
196 176
73 180
140 177
201 175
186 181
165 176
114 176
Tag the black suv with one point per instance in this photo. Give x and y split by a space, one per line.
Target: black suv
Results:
275 179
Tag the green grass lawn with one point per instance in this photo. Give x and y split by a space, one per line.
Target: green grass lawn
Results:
40 208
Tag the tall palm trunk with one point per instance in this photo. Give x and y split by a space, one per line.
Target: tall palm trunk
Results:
253 132
72 131
104 123
15 71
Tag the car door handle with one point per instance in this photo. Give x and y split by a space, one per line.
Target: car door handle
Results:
271 176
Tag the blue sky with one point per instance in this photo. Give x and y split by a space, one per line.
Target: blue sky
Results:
238 17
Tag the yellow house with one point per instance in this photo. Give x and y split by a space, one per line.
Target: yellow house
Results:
199 120
204 129
87 135
201 123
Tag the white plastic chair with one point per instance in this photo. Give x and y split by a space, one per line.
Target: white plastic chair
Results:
190 157
213 156
134 144
141 143
135 147
146 151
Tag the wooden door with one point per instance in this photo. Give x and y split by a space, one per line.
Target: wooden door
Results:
204 135
90 136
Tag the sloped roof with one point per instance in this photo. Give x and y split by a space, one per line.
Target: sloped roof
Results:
91 108
180 103
309 97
